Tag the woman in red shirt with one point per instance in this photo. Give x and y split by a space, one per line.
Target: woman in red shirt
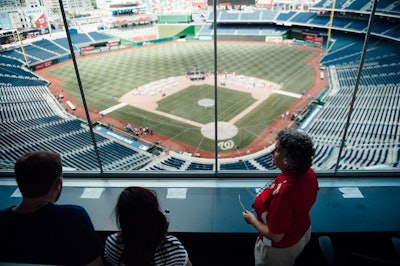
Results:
283 208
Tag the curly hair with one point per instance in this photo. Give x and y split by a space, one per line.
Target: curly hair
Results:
298 147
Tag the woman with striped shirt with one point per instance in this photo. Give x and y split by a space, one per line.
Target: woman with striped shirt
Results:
143 237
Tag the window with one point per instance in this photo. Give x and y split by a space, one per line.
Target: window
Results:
171 93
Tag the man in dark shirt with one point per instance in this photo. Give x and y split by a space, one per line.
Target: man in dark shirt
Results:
40 231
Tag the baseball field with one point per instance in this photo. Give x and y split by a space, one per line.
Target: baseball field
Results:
149 87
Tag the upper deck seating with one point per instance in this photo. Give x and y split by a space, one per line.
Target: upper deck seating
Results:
250 16
303 17
50 46
37 52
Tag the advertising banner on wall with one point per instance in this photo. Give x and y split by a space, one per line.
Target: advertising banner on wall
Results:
37 18
5 21
43 65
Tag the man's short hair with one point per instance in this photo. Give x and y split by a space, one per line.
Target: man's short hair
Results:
36 172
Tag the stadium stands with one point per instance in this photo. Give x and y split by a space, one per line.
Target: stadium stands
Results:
31 118
383 27
50 46
39 53
375 119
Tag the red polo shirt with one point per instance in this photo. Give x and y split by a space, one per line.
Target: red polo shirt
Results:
285 205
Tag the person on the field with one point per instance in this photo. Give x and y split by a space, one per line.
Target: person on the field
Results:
283 208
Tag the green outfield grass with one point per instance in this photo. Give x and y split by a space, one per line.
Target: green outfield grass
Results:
106 78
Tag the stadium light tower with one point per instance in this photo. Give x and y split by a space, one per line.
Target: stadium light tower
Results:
330 23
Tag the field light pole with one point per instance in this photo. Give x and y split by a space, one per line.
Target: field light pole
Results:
22 48
353 98
330 24
71 49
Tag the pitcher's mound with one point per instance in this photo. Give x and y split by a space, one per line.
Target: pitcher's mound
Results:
206 103
225 130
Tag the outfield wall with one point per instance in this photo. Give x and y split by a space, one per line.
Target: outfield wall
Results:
189 31
49 62
155 41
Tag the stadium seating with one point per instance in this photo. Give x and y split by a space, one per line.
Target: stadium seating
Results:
240 165
32 119
251 16
370 122
39 53
302 17
50 46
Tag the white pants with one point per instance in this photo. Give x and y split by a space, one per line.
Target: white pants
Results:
270 256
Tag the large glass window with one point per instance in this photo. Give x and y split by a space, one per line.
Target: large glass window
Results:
202 87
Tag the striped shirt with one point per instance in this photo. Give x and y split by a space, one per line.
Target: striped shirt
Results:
170 252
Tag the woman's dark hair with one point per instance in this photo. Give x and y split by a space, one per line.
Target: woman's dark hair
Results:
143 225
299 148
